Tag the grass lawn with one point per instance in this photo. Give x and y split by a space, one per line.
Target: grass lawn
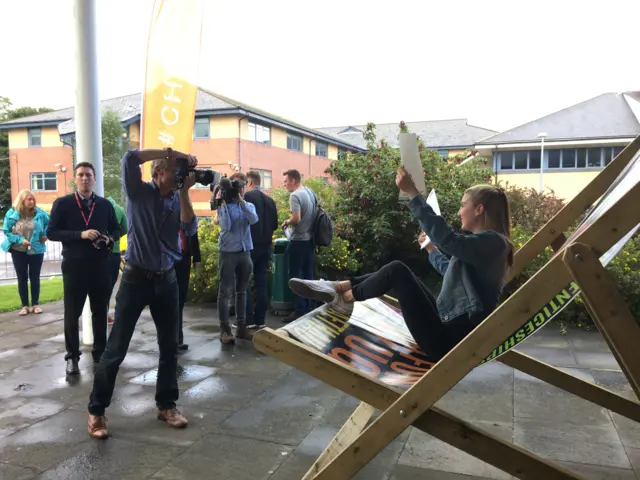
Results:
50 291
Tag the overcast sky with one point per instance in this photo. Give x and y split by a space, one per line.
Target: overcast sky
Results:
339 62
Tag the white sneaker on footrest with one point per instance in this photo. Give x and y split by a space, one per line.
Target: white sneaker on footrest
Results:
320 290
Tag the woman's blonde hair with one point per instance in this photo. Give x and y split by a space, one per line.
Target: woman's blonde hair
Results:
497 213
18 204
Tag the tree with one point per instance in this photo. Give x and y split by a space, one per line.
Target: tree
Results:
112 137
8 113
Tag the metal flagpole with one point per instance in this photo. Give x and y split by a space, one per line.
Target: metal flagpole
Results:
87 115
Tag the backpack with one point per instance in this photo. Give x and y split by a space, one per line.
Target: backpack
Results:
322 226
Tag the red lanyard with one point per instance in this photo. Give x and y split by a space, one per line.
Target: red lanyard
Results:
93 205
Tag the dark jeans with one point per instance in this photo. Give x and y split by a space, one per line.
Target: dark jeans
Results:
81 278
183 270
418 305
234 268
28 270
260 256
114 270
137 291
301 266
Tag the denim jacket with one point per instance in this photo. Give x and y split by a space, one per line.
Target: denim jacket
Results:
473 265
40 223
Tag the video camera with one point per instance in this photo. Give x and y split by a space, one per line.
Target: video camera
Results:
204 176
229 191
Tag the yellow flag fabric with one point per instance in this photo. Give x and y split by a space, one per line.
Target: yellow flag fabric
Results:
173 57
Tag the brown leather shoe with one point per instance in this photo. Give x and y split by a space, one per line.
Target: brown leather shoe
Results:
226 336
173 417
98 427
242 331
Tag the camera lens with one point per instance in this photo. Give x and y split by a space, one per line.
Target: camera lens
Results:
204 176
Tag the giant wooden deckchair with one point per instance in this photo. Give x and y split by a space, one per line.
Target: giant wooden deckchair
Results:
576 267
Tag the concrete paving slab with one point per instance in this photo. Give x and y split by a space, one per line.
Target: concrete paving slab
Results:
585 444
424 451
286 412
227 458
403 472
96 461
532 399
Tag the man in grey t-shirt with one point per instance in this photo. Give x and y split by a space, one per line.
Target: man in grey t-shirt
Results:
302 205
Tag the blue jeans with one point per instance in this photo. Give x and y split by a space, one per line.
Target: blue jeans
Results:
260 256
301 265
28 270
136 291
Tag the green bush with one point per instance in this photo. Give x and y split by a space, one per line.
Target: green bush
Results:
336 261
367 211
203 284
530 211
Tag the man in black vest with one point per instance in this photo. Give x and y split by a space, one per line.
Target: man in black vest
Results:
262 238
87 227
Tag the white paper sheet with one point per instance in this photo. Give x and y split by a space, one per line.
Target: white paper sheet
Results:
410 159
432 200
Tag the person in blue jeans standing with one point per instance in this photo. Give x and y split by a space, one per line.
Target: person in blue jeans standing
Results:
25 235
262 237
302 204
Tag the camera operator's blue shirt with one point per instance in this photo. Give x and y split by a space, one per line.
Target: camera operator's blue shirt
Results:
235 219
153 240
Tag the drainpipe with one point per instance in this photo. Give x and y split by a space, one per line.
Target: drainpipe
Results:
310 140
17 172
240 141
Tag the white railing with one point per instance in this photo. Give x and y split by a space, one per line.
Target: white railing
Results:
50 268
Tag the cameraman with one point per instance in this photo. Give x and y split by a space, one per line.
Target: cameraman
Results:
86 225
262 238
156 212
234 259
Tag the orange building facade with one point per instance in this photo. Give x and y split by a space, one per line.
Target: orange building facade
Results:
225 139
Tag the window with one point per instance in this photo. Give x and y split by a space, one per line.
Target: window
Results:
553 158
265 177
568 158
520 160
616 151
582 158
294 142
443 153
35 137
259 133
202 128
594 157
534 159
322 149
506 160
44 182
342 154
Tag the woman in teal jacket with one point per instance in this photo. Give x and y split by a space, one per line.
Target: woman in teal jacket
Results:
25 227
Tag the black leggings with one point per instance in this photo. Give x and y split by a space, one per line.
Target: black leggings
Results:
418 306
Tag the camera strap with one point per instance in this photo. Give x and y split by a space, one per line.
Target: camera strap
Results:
93 206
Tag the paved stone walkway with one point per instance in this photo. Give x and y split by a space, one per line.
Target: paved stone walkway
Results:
252 417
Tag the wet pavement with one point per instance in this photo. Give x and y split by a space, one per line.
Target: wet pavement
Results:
252 417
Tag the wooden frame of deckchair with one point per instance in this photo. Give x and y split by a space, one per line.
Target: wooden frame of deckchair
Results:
360 440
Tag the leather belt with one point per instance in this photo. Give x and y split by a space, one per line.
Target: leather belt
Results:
148 274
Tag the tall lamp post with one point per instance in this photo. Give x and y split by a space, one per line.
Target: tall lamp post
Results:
541 136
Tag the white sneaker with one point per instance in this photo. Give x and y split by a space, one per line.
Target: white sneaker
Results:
321 290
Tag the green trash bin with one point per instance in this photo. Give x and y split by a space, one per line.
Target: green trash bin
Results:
281 295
